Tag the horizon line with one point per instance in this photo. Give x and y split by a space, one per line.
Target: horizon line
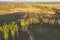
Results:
27 2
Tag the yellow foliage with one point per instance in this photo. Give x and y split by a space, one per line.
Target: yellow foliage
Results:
24 24
22 21
1 29
5 31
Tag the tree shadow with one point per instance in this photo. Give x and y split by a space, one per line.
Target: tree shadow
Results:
10 17
16 16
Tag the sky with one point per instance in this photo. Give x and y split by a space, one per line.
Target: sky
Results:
32 0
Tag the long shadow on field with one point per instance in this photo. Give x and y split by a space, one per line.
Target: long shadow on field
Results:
40 31
10 17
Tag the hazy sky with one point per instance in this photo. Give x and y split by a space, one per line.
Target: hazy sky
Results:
32 0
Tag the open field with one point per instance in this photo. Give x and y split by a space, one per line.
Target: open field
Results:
27 7
29 21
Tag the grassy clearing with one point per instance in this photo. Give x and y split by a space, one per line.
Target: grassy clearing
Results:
34 14
27 7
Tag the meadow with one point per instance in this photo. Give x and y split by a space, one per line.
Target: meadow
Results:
29 21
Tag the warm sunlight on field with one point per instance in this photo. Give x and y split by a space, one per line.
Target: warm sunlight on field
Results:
28 7
25 17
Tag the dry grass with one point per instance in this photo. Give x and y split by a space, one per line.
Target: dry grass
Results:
33 11
33 14
27 7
